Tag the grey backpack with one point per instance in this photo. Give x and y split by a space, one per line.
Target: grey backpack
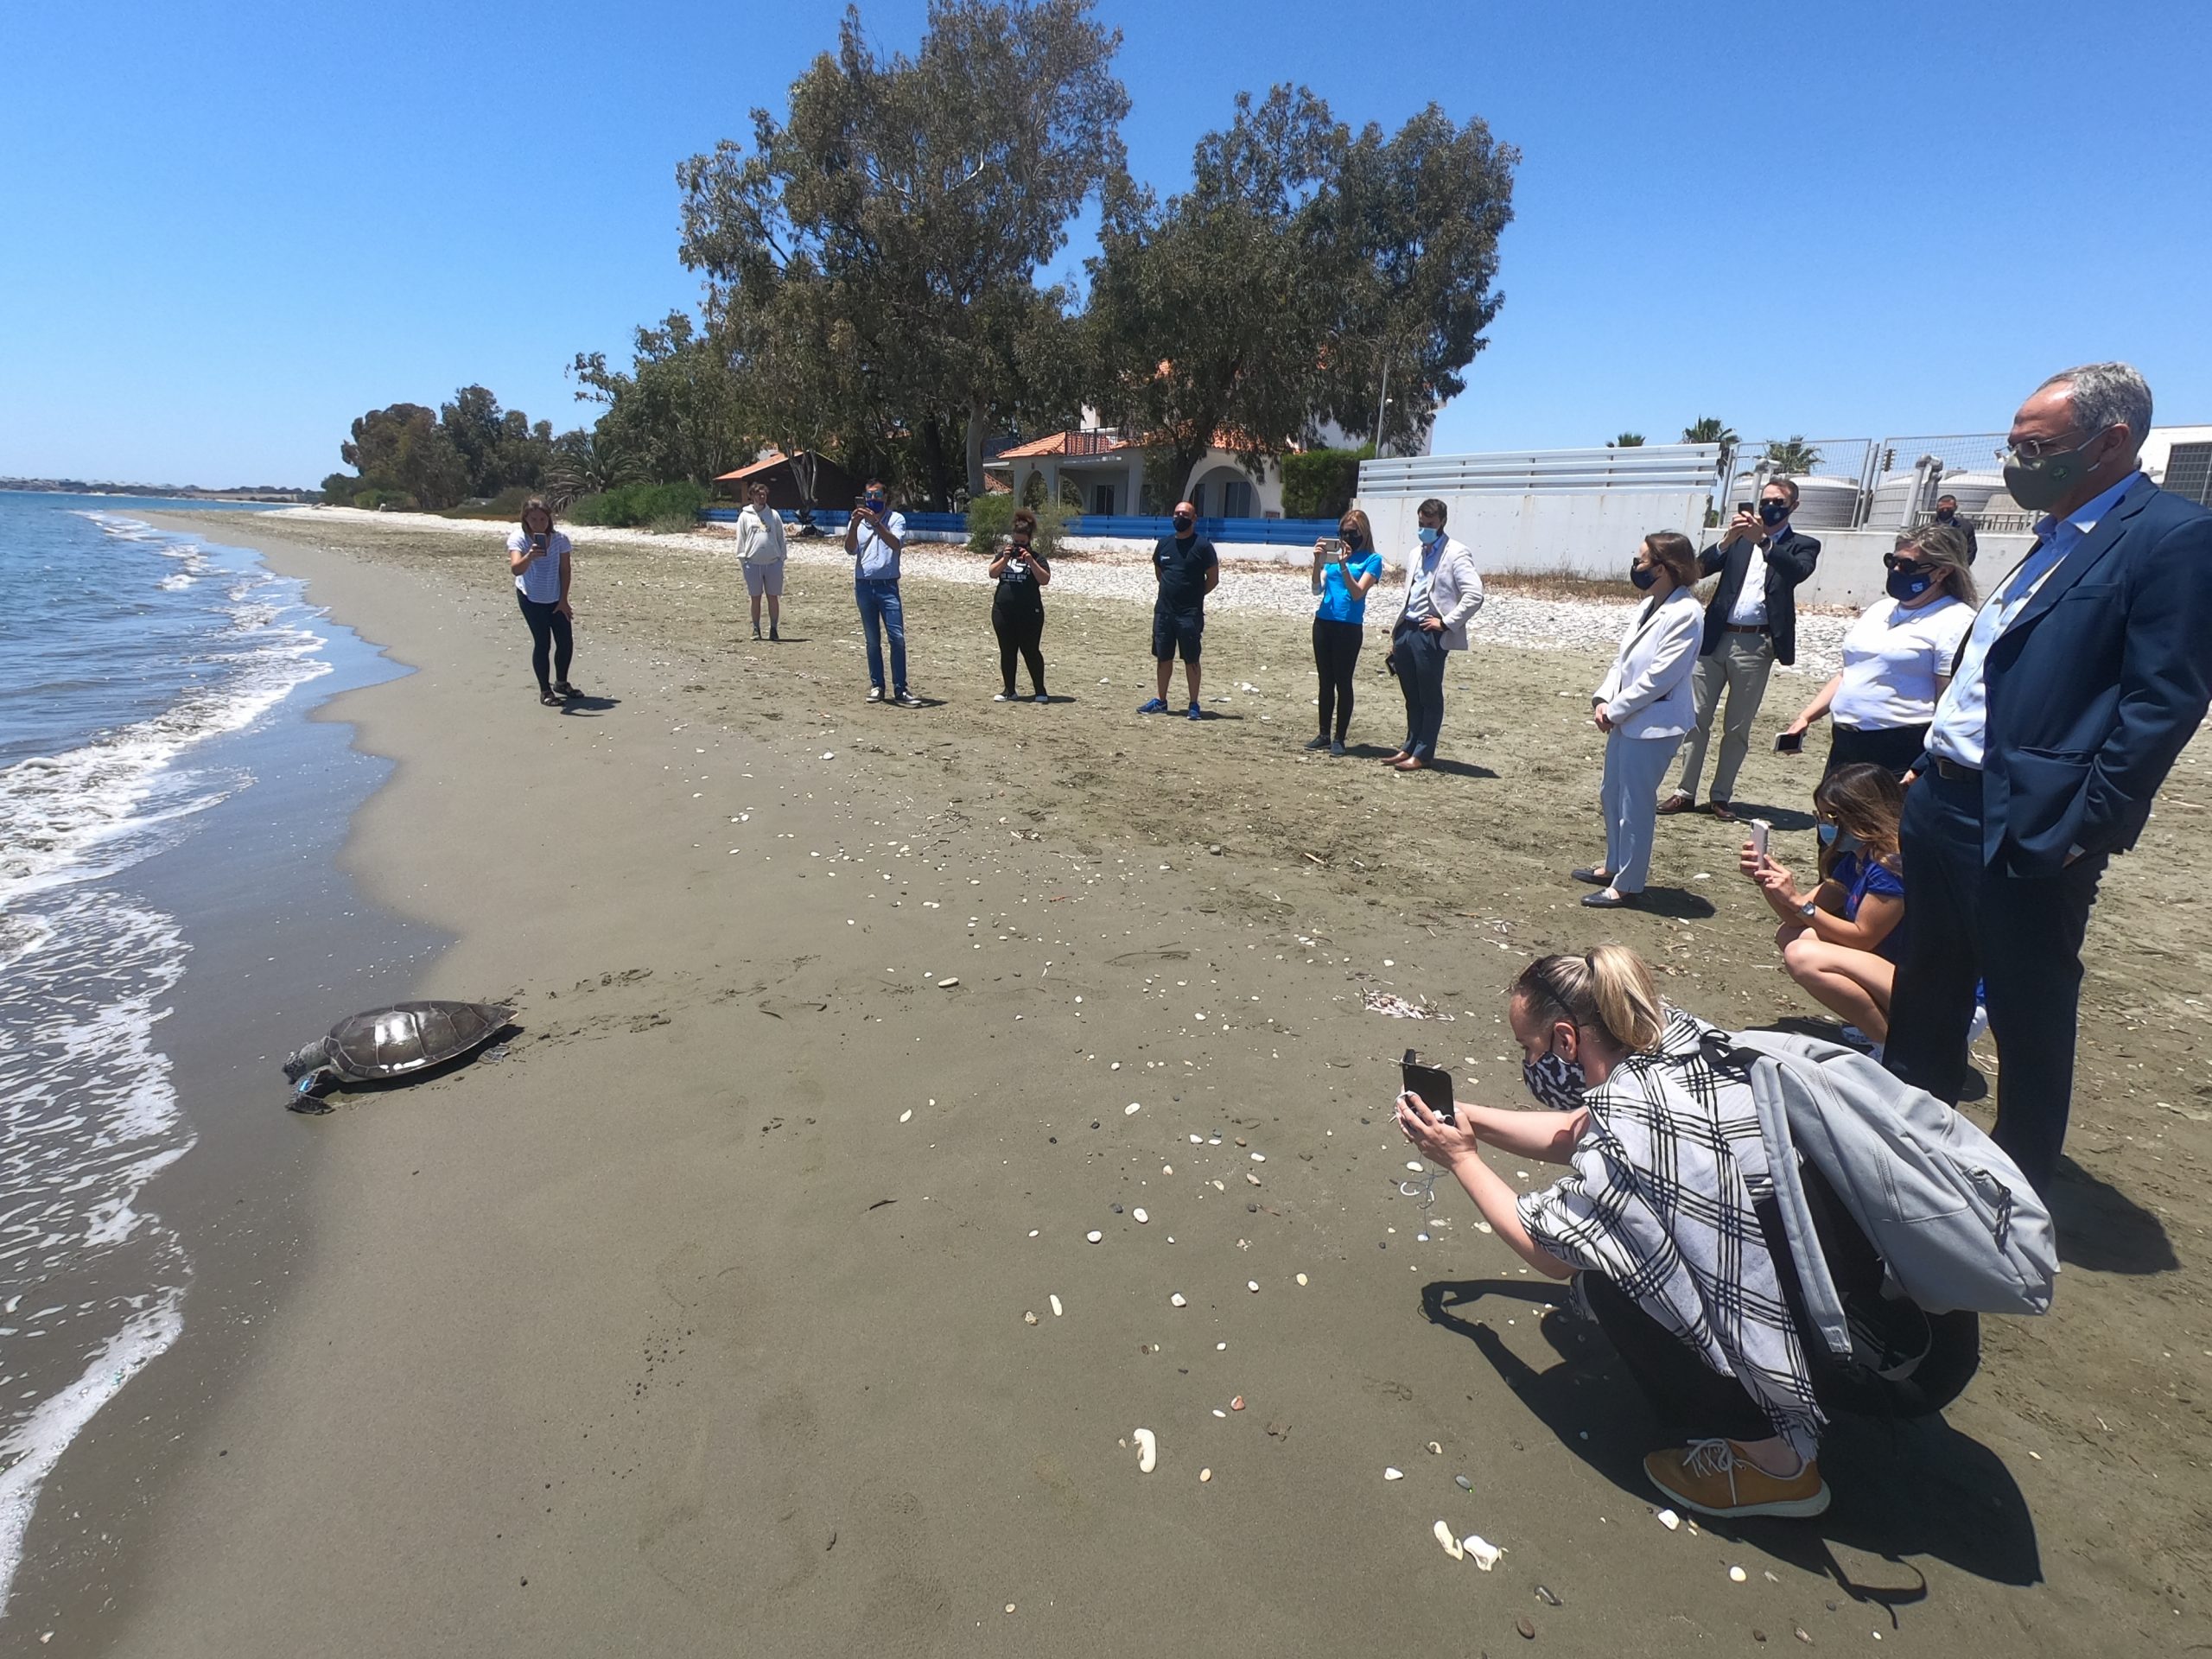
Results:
1953 1219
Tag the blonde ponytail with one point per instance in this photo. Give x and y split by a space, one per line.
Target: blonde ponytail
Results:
1609 988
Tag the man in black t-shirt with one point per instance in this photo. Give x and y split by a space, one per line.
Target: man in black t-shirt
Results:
1187 570
1947 513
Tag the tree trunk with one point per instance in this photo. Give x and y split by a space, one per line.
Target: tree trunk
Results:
976 415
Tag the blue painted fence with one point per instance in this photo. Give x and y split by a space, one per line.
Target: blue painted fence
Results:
1269 533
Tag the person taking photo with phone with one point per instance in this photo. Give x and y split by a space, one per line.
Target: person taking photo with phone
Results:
760 554
1020 574
1897 657
1345 572
875 536
538 558
1750 626
1643 706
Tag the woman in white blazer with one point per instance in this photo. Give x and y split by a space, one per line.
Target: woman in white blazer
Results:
1644 706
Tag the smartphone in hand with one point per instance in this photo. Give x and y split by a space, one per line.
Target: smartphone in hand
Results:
1790 743
1431 1086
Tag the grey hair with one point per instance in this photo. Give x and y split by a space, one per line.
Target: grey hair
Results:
2105 395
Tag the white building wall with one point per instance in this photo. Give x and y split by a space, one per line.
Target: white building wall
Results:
1588 534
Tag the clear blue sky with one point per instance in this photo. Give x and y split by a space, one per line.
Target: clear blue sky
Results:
226 230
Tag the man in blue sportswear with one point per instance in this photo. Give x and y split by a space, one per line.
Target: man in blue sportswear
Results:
1187 569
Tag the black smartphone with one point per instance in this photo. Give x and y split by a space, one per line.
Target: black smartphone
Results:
1743 506
1790 742
1433 1087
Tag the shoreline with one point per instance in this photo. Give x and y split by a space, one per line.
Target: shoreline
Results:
615 1344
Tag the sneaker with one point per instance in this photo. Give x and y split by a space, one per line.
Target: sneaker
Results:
774 638
756 630
1979 1028
1321 742
875 694
1337 748
1714 1477
1157 706
906 699
1194 712
1040 698
1001 697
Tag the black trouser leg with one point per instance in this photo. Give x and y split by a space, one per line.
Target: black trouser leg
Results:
2032 930
1895 748
1033 650
1002 624
539 619
1322 666
1692 1401
1336 657
564 647
1932 1006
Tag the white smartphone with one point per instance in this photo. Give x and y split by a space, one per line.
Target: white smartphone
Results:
1760 831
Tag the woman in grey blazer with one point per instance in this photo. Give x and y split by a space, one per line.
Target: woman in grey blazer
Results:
1645 705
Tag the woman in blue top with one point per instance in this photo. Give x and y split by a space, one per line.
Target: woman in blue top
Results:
1341 577
1842 943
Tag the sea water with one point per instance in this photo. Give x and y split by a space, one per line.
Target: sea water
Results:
125 649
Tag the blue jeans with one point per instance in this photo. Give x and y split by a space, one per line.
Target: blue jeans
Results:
878 599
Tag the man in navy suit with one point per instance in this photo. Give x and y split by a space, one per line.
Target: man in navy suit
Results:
2086 671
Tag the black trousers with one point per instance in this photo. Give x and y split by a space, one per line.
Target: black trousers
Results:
1336 654
549 636
1420 656
1021 628
2020 937
1894 749
1694 1401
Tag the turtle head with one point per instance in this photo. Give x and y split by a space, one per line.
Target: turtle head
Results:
313 1057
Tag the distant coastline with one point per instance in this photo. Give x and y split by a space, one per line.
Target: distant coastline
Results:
171 492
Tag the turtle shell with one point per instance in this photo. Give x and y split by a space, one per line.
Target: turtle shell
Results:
389 1042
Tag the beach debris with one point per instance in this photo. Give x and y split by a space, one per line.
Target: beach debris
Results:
1301 1278
1030 1318
1463 1483
1259 1157
1219 1413
1148 1450
829 754
1482 1553
1176 1301
1131 1109
1167 1169
1667 1518
907 1116
1252 1285
1450 1540
1435 1450
1238 1404
1548 1598
1737 1575
1393 1474
1527 1627
1205 1475
1278 1430
1094 1235
1055 1303
391 1042
1010 1607
1114 1067
1251 1177
1139 1215
947 984
1398 1008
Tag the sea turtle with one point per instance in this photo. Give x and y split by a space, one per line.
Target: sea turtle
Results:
391 1042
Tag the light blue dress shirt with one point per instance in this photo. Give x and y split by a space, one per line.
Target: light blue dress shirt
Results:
1961 722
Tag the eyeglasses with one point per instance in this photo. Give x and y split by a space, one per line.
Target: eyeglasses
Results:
1906 567
2036 448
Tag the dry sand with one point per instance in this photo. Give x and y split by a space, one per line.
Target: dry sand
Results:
674 1332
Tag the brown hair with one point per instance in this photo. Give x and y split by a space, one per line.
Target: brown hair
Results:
1671 551
1023 519
1607 989
1865 799
1943 548
536 504
1355 516
1787 485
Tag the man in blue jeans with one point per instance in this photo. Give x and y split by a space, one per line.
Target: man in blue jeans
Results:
875 536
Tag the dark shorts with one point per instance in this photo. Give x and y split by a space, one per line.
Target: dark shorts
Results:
1177 631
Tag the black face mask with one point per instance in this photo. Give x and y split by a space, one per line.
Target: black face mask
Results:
1773 513
1183 522
1645 576
1945 515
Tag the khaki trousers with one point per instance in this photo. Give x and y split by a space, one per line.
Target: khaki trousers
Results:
1740 666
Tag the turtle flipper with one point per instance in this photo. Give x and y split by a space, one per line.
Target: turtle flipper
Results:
308 1094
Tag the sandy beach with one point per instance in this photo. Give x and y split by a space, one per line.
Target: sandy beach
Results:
698 1322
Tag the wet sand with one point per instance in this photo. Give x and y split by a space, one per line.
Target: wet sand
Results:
671 1331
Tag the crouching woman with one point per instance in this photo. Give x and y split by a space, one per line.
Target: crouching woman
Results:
1666 1217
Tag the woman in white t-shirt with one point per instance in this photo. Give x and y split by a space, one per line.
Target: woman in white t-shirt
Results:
537 555
1898 656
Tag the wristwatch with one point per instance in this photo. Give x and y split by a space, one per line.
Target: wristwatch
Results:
1807 909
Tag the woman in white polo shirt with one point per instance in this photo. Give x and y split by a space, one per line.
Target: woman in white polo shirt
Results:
1898 656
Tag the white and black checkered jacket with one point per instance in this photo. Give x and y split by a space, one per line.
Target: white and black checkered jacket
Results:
1660 1201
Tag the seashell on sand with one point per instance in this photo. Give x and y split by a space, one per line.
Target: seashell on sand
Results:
1057 1309
1302 1278
1139 1215
1094 1236
1205 1475
1482 1553
1148 1450
1030 1318
1176 1301
1393 1474
1667 1518
1451 1545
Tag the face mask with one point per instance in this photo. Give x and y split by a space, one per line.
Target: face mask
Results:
1945 515
1645 576
1428 535
1773 513
1349 538
1828 833
2039 484
1555 1082
875 504
1183 521
1909 584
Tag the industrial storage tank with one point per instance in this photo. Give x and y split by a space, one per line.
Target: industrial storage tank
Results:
1974 491
1823 502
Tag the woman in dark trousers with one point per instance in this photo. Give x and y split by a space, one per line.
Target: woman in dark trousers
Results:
1342 578
538 557
1897 656
1667 1221
1018 606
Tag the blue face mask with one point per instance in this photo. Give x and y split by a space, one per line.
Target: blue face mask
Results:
1428 535
1828 833
1773 513
1903 584
1556 1083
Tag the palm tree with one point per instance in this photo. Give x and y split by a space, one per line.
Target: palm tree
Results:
585 463
1709 428
1791 457
1627 441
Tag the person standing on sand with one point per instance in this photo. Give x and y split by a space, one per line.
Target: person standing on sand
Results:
537 557
875 536
1443 592
760 554
1018 605
1342 578
1187 569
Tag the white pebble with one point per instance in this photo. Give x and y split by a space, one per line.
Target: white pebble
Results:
1302 1278
1413 1166
1259 1157
1116 1066
1393 1474
1197 1140
1221 1347
906 1114
1668 1519
1055 1301
1131 1109
1148 1450
1139 1215
946 984
1176 1301
1252 1285
1167 1169
1029 1319
1205 1475
1094 1236
1032 1232
1737 1575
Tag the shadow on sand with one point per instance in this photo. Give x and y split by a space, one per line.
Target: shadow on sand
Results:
1901 1489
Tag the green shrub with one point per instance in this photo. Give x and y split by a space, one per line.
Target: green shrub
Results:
673 524
630 504
1320 483
989 515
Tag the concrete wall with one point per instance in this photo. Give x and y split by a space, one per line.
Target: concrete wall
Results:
1586 533
1851 573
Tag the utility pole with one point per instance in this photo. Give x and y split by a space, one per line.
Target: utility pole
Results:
1382 402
